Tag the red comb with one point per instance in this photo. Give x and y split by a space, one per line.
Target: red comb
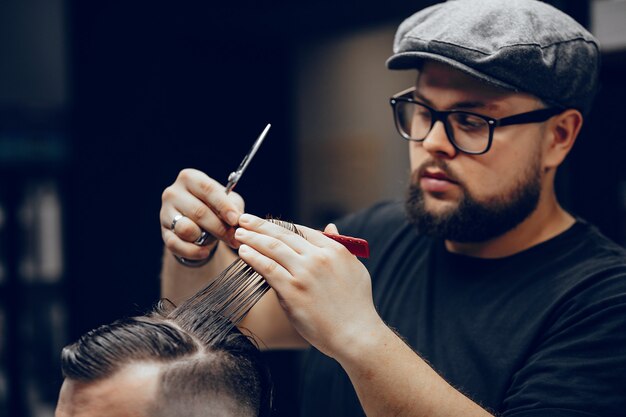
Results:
356 246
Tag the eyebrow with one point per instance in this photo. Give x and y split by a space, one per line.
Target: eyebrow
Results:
457 105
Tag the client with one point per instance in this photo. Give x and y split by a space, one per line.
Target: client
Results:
167 363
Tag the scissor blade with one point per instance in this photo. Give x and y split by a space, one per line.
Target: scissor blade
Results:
246 160
235 176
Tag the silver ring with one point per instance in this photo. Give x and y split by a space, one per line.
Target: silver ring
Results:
204 236
174 221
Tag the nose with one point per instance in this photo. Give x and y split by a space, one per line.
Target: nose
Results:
438 143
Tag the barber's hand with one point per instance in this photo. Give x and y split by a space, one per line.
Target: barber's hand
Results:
324 289
205 205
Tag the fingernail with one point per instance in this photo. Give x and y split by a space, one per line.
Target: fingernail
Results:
232 218
244 249
245 218
240 232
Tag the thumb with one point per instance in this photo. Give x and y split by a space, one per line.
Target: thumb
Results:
331 228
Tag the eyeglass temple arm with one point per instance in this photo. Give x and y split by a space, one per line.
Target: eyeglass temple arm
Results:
534 116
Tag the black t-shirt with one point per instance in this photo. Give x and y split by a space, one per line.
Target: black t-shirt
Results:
539 333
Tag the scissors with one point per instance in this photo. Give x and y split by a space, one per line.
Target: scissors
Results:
235 176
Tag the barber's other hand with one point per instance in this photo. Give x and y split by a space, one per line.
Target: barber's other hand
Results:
204 204
324 289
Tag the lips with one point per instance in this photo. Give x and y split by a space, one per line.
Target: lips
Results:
435 182
437 175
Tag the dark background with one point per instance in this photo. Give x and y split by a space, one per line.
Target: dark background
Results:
158 86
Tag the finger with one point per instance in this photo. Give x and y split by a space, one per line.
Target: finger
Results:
197 216
274 273
270 247
258 225
331 228
318 239
182 248
228 206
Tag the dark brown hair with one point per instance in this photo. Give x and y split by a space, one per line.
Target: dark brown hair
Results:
197 372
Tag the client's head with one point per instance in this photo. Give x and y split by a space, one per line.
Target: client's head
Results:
164 364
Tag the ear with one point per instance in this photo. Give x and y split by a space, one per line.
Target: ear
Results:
561 131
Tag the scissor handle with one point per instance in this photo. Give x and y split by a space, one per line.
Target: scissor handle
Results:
233 178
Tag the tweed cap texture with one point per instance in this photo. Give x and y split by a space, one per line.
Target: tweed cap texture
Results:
521 45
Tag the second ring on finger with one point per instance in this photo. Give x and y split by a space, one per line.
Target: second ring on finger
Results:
203 239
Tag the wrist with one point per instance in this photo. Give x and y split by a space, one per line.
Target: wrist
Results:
361 341
369 352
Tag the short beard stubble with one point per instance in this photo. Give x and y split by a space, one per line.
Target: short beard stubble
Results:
473 220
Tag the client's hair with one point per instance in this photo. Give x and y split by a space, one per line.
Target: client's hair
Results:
199 374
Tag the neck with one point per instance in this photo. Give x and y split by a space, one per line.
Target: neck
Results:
547 221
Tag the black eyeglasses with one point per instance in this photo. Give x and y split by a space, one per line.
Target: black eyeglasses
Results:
468 132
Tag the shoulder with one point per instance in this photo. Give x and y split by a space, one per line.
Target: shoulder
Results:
588 283
582 249
590 252
584 266
579 305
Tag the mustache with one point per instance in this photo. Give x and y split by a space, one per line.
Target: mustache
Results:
435 163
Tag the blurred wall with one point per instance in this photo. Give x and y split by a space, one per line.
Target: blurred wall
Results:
608 24
347 150
33 68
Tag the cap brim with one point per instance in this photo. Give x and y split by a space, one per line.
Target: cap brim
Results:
415 60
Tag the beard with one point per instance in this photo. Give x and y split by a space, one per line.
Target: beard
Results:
472 220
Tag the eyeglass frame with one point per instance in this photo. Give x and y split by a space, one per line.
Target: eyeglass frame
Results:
534 116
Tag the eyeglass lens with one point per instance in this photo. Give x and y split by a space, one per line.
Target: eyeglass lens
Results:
469 132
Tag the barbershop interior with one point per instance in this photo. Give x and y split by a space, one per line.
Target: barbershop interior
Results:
102 104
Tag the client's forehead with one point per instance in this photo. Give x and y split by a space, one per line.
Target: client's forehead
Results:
127 393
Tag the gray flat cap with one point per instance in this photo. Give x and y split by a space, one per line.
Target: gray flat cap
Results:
521 45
